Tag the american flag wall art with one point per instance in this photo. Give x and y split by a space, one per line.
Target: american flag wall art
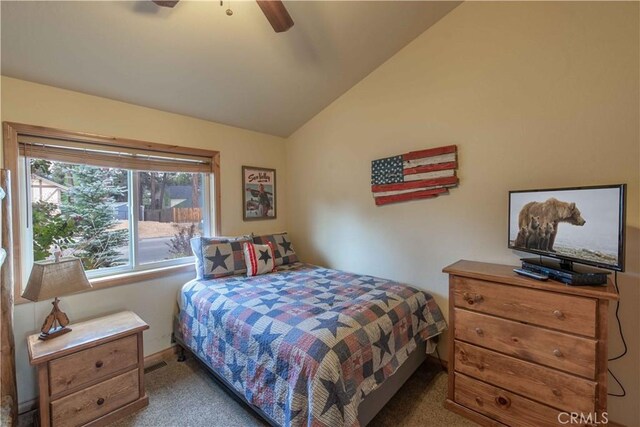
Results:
417 175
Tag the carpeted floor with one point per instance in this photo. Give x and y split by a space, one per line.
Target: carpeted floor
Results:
183 394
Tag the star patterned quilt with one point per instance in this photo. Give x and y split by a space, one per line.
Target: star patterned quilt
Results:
305 344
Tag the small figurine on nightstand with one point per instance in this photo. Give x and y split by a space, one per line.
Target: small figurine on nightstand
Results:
56 320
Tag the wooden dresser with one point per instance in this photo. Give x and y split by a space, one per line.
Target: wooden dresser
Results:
92 375
523 351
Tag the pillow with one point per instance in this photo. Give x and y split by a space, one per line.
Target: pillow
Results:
285 254
218 256
259 259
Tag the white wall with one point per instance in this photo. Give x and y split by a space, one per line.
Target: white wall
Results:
535 95
154 301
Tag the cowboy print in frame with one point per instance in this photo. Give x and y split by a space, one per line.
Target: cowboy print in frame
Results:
258 193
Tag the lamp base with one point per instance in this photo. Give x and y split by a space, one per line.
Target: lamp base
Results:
55 332
55 324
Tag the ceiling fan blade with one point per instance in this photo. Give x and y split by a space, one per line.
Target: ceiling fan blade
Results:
166 3
276 14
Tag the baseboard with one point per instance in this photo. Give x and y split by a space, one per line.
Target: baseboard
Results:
28 406
437 361
165 354
150 360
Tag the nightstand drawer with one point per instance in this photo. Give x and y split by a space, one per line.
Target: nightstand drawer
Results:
501 405
553 310
555 349
74 370
545 385
95 401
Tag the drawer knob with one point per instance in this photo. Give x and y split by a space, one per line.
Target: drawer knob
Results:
479 401
558 314
99 364
503 401
100 401
479 331
472 299
557 353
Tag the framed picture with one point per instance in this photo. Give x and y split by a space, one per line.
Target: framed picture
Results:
258 193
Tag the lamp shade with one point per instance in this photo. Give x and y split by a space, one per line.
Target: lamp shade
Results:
50 279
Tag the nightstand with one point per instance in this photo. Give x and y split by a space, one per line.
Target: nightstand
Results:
92 375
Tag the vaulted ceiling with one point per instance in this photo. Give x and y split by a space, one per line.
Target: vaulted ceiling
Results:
196 60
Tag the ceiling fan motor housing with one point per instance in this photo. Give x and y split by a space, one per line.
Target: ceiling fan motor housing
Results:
274 10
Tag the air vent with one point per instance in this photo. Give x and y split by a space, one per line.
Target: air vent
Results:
155 367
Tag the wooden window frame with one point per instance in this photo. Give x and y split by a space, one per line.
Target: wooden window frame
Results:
10 159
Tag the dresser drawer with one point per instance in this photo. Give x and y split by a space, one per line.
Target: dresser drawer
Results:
74 370
502 405
545 385
93 402
553 310
569 353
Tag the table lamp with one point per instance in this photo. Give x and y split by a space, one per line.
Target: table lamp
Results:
50 279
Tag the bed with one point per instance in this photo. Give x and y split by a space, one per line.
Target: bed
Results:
308 345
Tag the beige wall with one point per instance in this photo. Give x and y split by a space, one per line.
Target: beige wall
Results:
31 103
534 95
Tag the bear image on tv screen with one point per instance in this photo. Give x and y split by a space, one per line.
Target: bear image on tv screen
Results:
579 224
538 222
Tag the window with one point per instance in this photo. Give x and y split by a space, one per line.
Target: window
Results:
124 207
79 213
114 219
171 213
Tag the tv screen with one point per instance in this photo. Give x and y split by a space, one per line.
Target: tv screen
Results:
585 224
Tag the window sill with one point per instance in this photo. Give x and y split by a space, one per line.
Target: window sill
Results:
128 278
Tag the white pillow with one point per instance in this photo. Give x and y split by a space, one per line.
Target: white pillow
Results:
260 259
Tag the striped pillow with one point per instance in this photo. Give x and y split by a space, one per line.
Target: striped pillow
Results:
259 259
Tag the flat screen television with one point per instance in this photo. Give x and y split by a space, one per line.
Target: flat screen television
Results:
582 224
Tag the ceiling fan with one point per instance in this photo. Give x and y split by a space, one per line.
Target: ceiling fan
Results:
274 10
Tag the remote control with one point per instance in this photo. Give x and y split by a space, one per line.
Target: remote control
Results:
531 274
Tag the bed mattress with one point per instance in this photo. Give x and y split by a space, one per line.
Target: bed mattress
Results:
305 344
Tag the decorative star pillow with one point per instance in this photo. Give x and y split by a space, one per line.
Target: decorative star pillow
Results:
218 260
219 256
259 259
283 249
